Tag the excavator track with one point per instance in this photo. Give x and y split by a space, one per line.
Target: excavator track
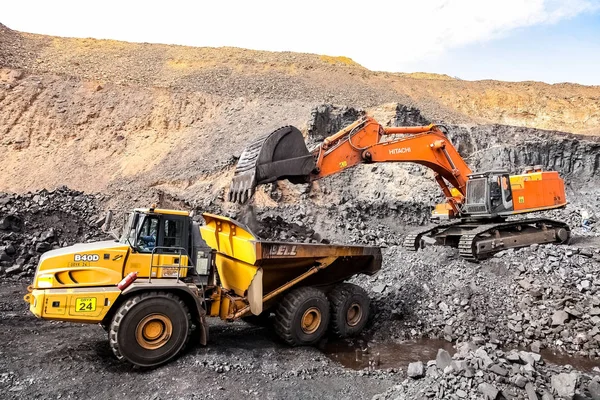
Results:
412 241
488 239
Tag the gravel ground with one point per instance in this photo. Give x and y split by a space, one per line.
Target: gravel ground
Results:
50 360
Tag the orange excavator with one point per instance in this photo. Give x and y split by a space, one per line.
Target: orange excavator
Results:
479 203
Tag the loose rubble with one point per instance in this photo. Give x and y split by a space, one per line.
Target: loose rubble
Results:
487 372
33 223
537 297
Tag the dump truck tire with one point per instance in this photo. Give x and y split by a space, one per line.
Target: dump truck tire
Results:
350 305
150 329
302 317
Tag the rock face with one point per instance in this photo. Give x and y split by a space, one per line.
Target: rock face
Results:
327 119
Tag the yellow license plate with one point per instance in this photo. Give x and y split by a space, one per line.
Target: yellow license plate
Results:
85 304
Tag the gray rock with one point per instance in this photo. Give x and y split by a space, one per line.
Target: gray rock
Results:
564 384
443 307
489 391
13 270
48 235
483 356
459 365
461 393
535 346
443 359
10 249
42 247
594 390
595 311
547 396
498 370
585 284
415 370
527 357
559 317
519 380
530 390
4 256
379 288
573 312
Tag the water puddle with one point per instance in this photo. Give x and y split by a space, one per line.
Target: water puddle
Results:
361 354
580 363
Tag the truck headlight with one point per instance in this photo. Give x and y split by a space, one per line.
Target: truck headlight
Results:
45 281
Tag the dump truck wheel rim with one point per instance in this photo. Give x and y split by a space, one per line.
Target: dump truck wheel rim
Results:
154 331
354 314
311 320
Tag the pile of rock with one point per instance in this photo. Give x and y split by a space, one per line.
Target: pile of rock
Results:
537 297
487 372
33 223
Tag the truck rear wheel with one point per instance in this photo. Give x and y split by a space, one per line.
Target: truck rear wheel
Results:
150 329
302 317
349 309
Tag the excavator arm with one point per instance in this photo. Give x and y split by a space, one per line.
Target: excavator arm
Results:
364 141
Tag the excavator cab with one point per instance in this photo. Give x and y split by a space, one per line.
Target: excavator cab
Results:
489 194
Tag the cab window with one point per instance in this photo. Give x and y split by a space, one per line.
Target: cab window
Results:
147 234
173 233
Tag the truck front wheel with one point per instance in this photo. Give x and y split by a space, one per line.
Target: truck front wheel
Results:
150 329
349 309
302 316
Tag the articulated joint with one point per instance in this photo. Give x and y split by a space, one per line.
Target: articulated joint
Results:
438 144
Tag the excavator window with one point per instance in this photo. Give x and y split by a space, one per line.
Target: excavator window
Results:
506 189
495 191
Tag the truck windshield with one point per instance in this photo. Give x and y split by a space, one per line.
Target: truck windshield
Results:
128 233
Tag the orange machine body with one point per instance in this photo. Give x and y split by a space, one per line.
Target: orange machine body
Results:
367 141
537 190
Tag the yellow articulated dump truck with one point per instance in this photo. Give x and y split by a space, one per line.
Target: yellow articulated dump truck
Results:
153 288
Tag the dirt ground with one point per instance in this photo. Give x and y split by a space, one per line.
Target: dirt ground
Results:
52 360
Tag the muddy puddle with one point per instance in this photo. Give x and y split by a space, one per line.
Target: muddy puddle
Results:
361 354
579 363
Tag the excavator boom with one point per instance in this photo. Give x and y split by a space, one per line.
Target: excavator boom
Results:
280 155
483 200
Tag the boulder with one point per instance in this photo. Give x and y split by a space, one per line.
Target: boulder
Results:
415 370
564 384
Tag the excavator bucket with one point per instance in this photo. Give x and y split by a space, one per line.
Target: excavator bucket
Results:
278 155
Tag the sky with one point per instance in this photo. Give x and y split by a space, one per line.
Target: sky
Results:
515 40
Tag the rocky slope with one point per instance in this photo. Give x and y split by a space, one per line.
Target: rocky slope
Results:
125 113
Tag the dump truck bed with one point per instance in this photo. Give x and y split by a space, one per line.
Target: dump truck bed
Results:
241 256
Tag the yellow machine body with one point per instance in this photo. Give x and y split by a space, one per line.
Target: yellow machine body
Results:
79 283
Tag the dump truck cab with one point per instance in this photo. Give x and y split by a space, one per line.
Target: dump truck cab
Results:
168 241
153 287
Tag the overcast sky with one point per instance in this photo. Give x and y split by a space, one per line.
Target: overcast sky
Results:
544 40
